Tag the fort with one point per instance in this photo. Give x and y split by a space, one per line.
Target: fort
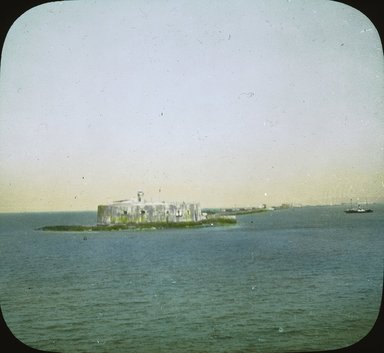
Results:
140 211
138 214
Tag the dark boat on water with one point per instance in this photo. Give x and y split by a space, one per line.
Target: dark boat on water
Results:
358 209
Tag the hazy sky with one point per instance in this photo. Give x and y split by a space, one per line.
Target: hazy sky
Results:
222 102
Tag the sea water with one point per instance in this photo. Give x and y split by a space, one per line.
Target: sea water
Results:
299 279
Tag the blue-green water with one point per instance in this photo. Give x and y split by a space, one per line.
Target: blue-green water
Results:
300 279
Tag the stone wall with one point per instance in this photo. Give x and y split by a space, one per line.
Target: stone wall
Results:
124 212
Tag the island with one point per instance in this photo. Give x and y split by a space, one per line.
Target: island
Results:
138 214
209 222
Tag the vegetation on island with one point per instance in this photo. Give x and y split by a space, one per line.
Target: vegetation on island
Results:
219 221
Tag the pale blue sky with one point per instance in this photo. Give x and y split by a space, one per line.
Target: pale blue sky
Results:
222 102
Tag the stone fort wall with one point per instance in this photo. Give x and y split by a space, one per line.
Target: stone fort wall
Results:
132 211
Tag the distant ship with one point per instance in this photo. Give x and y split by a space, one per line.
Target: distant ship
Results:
358 209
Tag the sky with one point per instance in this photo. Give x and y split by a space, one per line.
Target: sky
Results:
226 103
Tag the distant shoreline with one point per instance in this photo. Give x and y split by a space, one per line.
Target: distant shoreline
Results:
222 212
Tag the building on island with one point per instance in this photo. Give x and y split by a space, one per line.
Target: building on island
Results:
139 211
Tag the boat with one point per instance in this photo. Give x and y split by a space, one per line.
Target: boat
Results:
358 209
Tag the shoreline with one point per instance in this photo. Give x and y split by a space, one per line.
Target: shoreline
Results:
210 222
